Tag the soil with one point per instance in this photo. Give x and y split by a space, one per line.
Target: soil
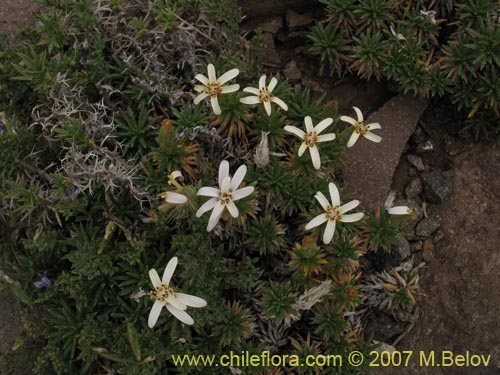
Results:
16 14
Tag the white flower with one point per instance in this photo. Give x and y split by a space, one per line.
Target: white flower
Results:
212 86
398 36
312 137
225 196
398 210
165 295
333 212
174 176
172 197
361 129
264 95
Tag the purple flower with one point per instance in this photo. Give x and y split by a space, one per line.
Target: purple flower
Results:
43 282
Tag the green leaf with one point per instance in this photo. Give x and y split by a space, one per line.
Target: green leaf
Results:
134 341
21 294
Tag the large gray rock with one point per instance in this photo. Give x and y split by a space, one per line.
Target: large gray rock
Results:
369 166
437 186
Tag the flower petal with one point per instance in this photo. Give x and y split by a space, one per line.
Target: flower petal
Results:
359 114
352 217
334 194
272 84
315 157
318 220
229 75
230 88
267 107
329 232
200 88
349 206
207 191
176 198
238 177
252 90
309 124
211 73
243 192
399 210
215 216
280 102
353 139
155 312
215 105
348 119
200 97
181 315
302 149
178 304
226 185
374 126
201 78
262 82
323 125
373 137
223 171
190 300
233 210
207 206
292 129
169 271
155 279
250 100
320 197
326 137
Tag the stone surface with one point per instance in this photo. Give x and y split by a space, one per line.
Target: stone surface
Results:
269 25
269 56
259 8
428 225
461 307
369 166
414 188
10 322
295 20
437 186
416 161
292 71
403 249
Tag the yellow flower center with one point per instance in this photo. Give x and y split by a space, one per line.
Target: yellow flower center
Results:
360 128
311 139
225 197
265 95
163 292
213 89
333 213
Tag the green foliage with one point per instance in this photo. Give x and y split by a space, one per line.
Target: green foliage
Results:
97 115
429 48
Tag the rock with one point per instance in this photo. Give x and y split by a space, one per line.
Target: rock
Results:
269 56
438 236
414 188
416 161
269 25
259 8
425 147
437 186
428 225
10 320
428 251
292 71
404 248
383 327
295 20
418 136
416 246
369 164
453 146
